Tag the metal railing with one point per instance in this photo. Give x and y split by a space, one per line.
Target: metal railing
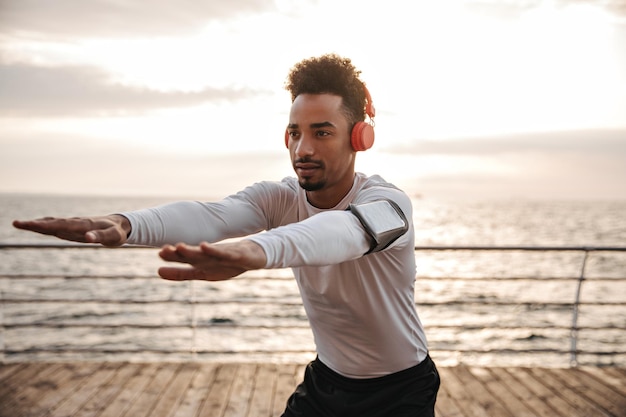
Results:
575 305
193 322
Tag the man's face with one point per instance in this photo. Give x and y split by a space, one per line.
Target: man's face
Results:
319 145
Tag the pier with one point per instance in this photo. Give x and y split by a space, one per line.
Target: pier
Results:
69 350
162 389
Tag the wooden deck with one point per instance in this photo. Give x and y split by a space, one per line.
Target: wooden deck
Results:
112 389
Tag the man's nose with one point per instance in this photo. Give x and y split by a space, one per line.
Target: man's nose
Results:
305 145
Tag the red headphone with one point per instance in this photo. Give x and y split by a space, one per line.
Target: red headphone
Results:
362 136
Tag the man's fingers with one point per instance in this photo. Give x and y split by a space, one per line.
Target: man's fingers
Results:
208 263
70 229
108 237
19 224
61 228
188 251
107 230
216 251
175 274
169 253
182 253
42 225
92 237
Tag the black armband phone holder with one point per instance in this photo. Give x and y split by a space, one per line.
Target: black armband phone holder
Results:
383 220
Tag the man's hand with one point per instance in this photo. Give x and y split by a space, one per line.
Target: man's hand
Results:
108 230
211 262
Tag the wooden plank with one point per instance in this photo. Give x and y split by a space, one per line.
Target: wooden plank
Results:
174 391
594 390
287 379
50 392
494 381
263 391
481 394
241 392
85 390
197 391
528 397
461 396
21 377
7 370
610 376
217 399
131 389
565 391
28 396
545 394
108 392
446 405
66 379
145 403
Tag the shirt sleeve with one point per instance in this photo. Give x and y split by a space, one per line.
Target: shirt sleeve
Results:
191 222
256 208
324 239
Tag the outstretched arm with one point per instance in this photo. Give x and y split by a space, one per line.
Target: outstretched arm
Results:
211 262
107 230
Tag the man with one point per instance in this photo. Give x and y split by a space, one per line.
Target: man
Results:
349 239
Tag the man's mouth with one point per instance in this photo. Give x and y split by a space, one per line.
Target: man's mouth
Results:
306 169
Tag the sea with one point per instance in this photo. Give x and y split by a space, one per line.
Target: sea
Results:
515 306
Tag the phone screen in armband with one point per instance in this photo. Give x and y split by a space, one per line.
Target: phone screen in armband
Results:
383 220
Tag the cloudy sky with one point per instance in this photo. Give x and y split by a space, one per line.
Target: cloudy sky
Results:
474 98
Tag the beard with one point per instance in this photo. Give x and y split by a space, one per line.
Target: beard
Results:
308 185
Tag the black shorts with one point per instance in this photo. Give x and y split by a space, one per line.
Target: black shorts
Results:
323 392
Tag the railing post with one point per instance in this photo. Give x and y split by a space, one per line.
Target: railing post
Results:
193 348
574 329
2 328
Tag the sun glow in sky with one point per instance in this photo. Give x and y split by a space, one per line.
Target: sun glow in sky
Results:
474 98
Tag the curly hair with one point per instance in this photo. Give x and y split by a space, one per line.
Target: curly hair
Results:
330 74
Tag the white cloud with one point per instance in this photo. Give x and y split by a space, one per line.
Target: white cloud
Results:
110 18
88 91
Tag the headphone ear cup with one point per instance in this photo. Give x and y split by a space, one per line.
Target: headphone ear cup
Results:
287 139
362 137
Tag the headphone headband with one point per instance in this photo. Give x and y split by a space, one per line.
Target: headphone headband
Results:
370 110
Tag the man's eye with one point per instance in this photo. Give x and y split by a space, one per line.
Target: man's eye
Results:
322 133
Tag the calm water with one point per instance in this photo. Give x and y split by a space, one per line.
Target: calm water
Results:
258 314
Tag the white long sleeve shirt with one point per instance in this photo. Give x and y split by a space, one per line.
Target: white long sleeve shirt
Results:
361 308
